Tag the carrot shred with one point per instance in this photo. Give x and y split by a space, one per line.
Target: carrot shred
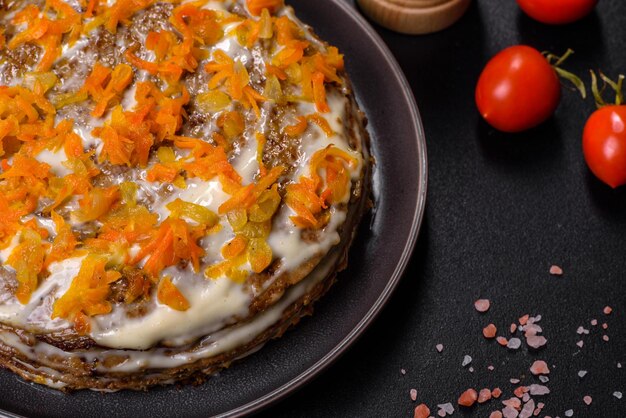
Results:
168 294
87 295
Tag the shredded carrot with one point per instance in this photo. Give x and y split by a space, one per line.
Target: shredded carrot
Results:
64 243
168 294
87 295
173 241
234 247
246 196
311 195
298 128
321 121
27 259
256 6
106 87
45 32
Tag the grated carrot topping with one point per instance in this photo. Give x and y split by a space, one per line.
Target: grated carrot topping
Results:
45 32
87 295
255 7
298 128
106 87
64 242
168 294
311 195
236 78
96 203
246 196
175 240
321 121
27 259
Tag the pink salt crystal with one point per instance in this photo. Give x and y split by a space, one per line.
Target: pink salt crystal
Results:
513 328
514 381
525 397
482 305
520 391
536 341
541 405
539 367
509 412
496 393
587 399
413 394
513 403
556 271
403 372
569 413
532 329
581 330
538 390
537 412
605 325
607 310
514 344
524 319
495 414
605 337
468 398
439 347
490 331
484 395
528 409
594 322
580 343
441 413
491 368
619 365
421 411
502 341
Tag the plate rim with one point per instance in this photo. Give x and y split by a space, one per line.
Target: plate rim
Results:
333 355
296 383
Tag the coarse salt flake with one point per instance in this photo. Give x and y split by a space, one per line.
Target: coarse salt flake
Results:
539 367
538 390
490 331
421 411
536 341
514 343
482 305
510 412
556 270
466 360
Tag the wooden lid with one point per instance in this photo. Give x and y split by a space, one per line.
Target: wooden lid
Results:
414 16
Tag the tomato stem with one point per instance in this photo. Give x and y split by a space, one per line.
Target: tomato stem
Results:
556 61
615 86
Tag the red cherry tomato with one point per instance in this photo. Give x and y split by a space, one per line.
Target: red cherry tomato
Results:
557 12
517 90
604 144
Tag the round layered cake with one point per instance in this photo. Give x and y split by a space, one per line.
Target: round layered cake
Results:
179 182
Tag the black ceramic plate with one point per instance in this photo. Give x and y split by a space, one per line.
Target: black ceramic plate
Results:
382 248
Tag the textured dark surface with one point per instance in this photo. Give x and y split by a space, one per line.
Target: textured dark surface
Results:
382 246
501 209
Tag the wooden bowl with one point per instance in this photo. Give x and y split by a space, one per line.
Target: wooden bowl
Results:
414 17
